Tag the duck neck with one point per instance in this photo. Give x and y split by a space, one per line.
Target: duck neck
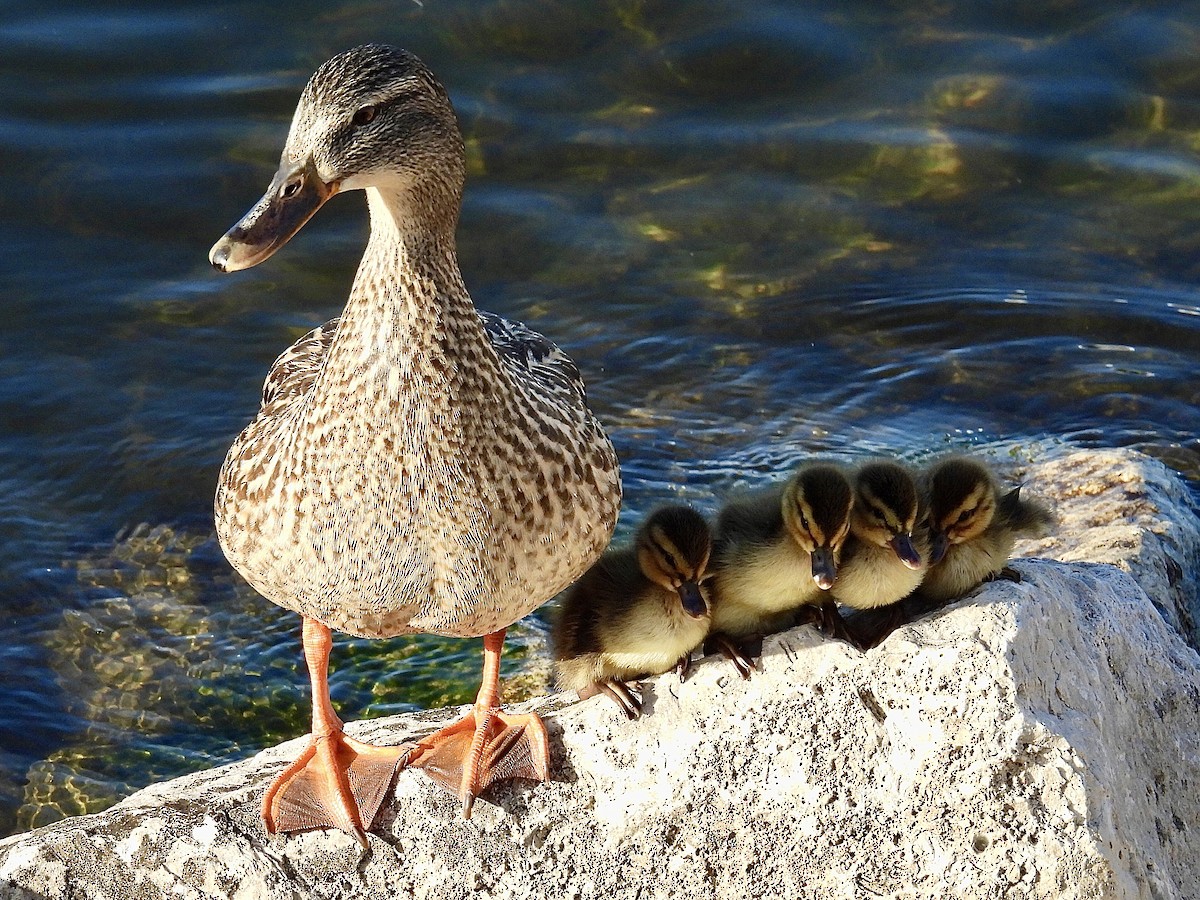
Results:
408 302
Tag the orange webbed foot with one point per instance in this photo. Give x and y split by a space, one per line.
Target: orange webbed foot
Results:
337 782
483 747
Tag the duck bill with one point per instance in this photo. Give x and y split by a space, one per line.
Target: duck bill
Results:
938 548
824 568
296 192
692 600
902 544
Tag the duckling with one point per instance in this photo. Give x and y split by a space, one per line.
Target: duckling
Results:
973 527
638 611
777 552
885 557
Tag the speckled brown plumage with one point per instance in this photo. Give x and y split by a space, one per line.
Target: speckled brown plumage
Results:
416 465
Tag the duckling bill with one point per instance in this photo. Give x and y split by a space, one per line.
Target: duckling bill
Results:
973 527
639 611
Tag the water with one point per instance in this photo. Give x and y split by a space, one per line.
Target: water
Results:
760 229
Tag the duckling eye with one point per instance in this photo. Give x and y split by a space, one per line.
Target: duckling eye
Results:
966 514
365 116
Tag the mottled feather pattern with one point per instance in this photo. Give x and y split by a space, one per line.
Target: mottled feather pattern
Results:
293 372
480 485
531 358
416 465
527 355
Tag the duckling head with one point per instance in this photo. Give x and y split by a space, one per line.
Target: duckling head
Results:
962 503
816 507
371 117
673 546
886 509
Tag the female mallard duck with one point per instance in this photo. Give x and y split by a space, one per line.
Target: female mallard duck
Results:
778 551
416 465
639 611
972 527
884 558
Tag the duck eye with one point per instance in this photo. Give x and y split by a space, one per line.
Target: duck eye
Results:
966 514
365 116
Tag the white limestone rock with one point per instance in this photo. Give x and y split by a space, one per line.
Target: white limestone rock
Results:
1122 508
1039 739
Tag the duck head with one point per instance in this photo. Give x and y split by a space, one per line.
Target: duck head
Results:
673 547
962 503
886 509
816 506
371 117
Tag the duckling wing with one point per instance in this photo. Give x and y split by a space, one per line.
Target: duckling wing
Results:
293 372
602 596
533 360
1024 516
749 521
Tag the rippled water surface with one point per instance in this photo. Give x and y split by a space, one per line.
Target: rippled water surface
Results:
760 229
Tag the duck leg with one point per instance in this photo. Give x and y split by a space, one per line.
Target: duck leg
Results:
743 653
832 623
683 665
1008 573
618 691
337 782
486 745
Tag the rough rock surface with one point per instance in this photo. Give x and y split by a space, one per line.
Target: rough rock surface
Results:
1039 739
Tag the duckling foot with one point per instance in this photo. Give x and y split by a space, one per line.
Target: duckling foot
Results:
486 745
620 693
883 622
832 624
1008 573
743 654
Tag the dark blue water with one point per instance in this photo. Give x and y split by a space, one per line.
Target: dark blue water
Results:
760 229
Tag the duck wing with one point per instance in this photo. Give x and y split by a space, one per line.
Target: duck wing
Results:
294 370
533 360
